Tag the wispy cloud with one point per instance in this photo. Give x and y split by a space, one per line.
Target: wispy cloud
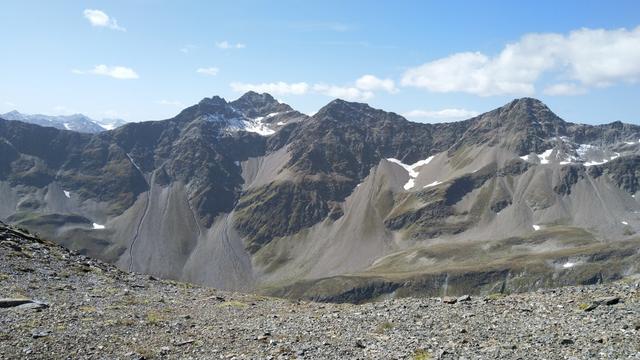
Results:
116 72
351 93
589 57
209 71
63 110
363 88
227 45
321 26
372 83
565 89
276 88
100 19
175 103
187 48
441 115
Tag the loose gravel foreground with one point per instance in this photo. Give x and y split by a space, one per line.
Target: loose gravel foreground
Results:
59 305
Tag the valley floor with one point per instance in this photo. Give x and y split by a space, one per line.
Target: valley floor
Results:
85 309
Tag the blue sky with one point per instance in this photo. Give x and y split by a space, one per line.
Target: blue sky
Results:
429 60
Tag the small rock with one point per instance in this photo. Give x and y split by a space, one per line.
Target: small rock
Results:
8 302
609 300
165 350
39 334
359 344
464 298
591 307
182 343
566 341
35 305
449 300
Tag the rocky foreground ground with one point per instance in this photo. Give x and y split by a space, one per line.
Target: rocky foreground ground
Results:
59 305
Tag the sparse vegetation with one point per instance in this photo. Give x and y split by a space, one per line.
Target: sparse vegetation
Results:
421 354
233 304
384 327
495 296
154 318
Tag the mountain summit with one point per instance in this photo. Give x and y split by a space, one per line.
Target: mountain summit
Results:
350 204
75 122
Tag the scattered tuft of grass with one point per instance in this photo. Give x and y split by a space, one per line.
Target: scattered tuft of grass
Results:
421 354
154 318
384 327
583 306
87 309
495 296
232 304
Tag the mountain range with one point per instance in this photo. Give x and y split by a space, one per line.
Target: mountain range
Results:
75 122
350 204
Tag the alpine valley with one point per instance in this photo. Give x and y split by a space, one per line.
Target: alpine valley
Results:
348 205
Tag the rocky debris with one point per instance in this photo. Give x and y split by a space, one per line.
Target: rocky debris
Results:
92 317
7 303
464 298
609 300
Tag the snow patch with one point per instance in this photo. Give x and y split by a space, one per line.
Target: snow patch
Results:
536 227
237 163
134 163
97 226
604 161
67 126
572 153
568 265
433 184
67 194
281 123
624 223
411 169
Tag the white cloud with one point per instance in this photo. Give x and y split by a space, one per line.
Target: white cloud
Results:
175 103
116 72
112 114
276 88
349 93
372 83
62 110
363 88
187 48
100 19
210 71
227 45
321 26
441 115
566 89
591 57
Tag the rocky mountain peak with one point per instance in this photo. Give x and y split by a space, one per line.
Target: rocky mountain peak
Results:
212 108
14 113
254 105
526 112
213 101
346 111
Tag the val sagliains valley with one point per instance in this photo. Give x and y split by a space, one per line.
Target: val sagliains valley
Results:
256 180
